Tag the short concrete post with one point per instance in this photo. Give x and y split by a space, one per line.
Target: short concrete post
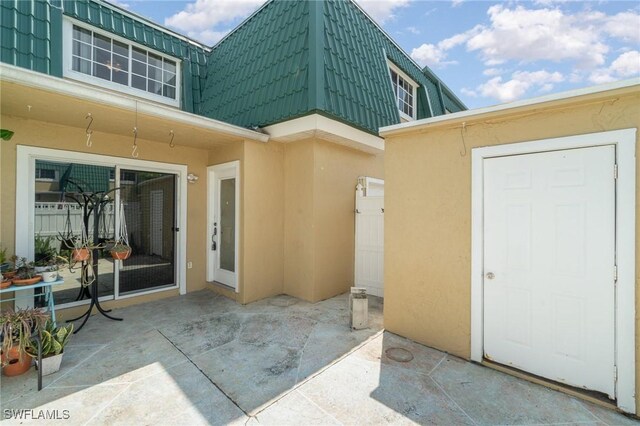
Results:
359 308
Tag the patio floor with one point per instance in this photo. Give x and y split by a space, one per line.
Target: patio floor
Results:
203 359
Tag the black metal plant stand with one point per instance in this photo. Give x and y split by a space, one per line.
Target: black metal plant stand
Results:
93 203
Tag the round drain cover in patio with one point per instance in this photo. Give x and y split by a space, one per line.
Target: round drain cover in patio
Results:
399 354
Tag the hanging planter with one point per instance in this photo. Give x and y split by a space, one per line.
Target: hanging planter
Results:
80 254
121 249
68 240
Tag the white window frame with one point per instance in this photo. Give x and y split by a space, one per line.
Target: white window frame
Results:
69 72
414 89
624 141
25 197
55 178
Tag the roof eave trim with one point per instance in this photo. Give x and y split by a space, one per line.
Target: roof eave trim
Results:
508 107
321 127
17 75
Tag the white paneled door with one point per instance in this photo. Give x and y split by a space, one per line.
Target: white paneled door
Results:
549 265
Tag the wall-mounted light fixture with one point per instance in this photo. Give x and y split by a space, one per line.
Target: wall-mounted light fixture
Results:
191 178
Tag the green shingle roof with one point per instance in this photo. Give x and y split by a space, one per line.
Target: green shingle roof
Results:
260 73
294 58
289 59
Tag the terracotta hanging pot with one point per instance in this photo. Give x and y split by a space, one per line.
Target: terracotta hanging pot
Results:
80 255
16 364
120 252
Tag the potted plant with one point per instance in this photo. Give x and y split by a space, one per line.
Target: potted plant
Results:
10 271
43 252
49 271
4 282
121 249
4 265
53 339
16 328
81 251
25 273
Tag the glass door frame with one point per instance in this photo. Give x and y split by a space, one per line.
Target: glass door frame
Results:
25 201
231 168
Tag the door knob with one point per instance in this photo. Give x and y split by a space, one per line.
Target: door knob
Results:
490 275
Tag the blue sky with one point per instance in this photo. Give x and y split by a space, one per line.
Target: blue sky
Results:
487 52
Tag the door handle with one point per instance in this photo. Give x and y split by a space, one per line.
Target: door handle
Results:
490 275
214 246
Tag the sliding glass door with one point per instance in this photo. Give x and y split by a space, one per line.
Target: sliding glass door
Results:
150 213
60 211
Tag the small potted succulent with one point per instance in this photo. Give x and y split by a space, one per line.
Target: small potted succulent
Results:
25 273
4 265
16 328
120 251
43 252
10 271
49 271
53 339
4 282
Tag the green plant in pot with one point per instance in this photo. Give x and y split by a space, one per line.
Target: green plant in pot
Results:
53 339
50 268
16 328
4 264
25 273
44 251
120 251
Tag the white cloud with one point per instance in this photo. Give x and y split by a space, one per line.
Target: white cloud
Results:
199 19
382 10
120 3
624 25
490 72
529 35
456 3
519 84
428 54
468 92
626 65
435 55
413 30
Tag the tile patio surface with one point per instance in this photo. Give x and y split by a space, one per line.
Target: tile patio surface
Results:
203 359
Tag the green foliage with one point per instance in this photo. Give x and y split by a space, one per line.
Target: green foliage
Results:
5 134
44 250
24 270
3 255
16 327
53 338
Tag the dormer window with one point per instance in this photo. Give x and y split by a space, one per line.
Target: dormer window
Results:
103 59
404 90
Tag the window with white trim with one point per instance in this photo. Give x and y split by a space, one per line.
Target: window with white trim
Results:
119 64
404 90
46 174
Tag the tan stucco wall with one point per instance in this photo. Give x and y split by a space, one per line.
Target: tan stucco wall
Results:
320 180
336 172
263 230
46 135
299 233
428 210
